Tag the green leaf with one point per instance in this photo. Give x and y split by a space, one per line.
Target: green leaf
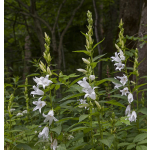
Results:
131 146
97 57
108 141
83 51
75 81
113 102
72 96
141 147
82 117
123 144
130 68
143 111
138 86
98 43
73 75
61 147
78 128
57 86
142 142
140 137
24 146
33 74
108 79
119 96
125 120
57 129
93 64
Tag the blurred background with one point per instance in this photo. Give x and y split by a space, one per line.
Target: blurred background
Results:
25 22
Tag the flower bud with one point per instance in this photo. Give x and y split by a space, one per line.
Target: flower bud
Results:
98 105
49 71
117 46
92 77
82 70
85 61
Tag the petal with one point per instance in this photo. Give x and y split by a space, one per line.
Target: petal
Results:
55 119
35 108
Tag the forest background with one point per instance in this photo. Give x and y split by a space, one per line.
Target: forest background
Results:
25 22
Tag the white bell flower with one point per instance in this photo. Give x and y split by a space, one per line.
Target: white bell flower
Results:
39 104
119 66
44 133
128 110
116 85
92 77
122 57
82 102
19 114
37 91
90 92
43 81
25 112
49 117
84 83
123 80
116 58
124 91
82 70
130 98
54 144
133 116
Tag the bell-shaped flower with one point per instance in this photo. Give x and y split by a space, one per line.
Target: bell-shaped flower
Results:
128 110
39 104
43 81
119 66
82 70
82 102
84 83
54 144
133 116
123 80
92 77
37 91
44 133
116 58
19 114
122 57
130 98
124 91
90 92
49 117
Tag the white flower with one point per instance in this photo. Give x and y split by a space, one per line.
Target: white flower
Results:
39 104
128 110
119 66
43 81
11 110
133 116
121 54
44 133
116 58
90 92
19 114
82 70
86 61
70 137
49 117
84 83
130 98
35 131
37 91
92 77
124 91
117 85
54 144
25 112
82 102
123 80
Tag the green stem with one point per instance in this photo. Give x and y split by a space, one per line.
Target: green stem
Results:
100 129
137 103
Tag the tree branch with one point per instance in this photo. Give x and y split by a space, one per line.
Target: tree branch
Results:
23 4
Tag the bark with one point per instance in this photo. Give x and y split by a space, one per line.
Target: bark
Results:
142 51
27 56
97 39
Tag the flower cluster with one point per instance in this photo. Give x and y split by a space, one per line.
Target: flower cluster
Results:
40 104
123 80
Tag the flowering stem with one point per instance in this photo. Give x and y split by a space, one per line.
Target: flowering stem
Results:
137 103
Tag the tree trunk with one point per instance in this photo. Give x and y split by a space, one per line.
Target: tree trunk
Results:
27 56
